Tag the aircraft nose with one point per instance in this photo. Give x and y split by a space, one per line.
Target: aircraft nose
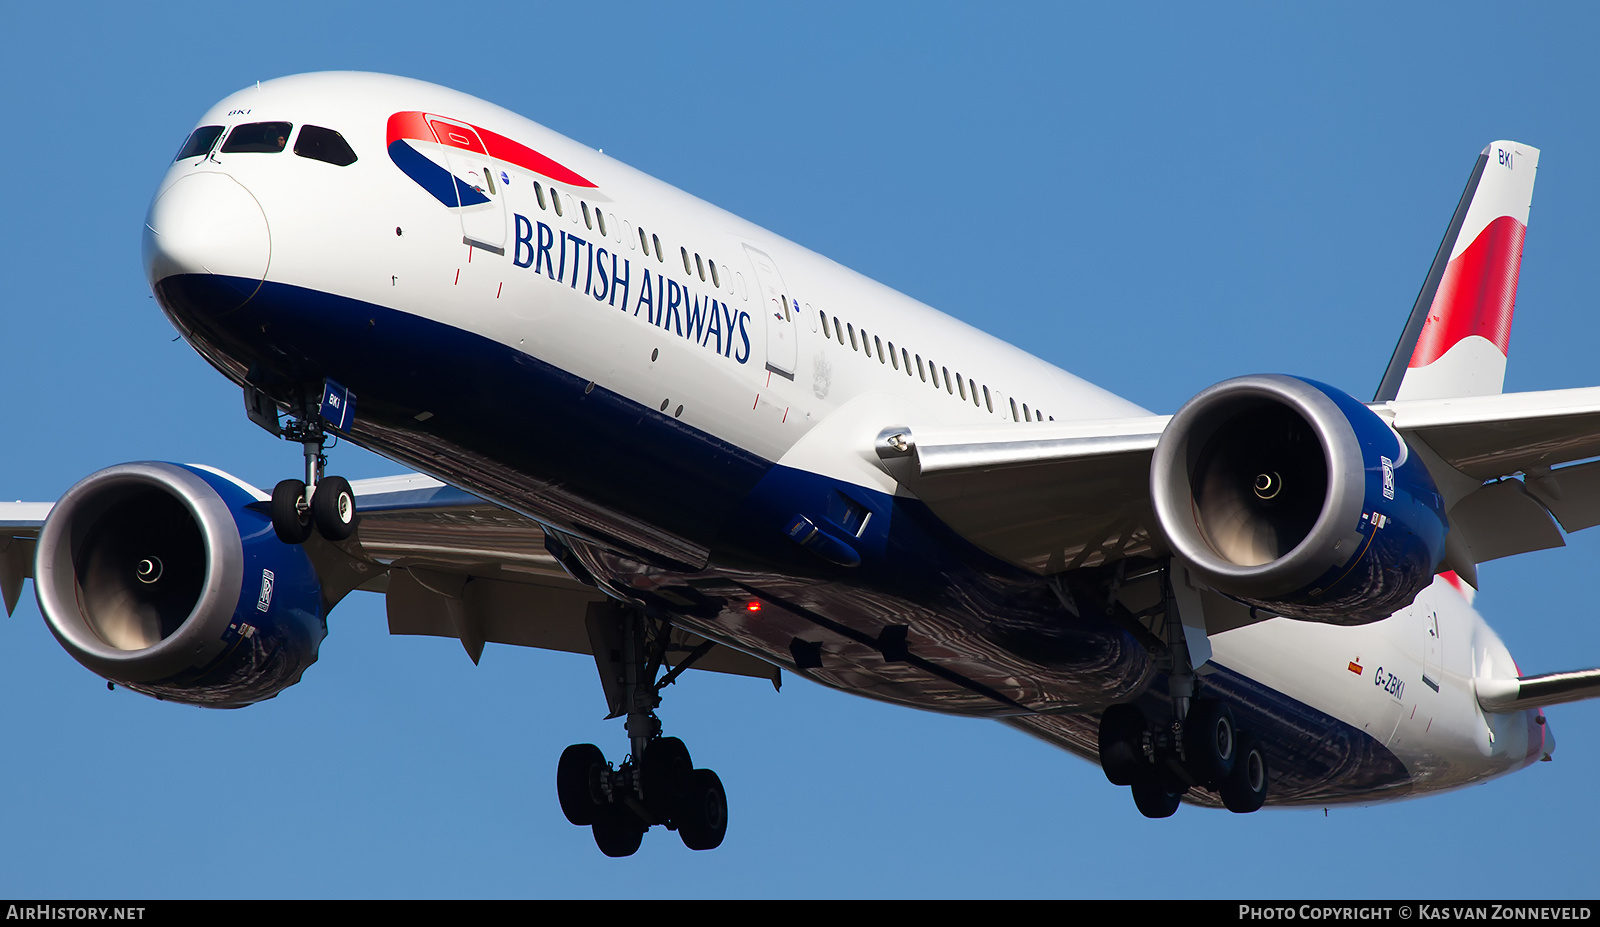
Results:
208 223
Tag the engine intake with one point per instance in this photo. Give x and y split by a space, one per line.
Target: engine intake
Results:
1293 497
168 580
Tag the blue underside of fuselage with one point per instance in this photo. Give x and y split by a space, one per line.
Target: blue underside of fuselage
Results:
648 497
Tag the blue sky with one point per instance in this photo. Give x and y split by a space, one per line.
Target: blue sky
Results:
1154 199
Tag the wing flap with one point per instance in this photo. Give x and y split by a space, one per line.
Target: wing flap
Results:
1503 519
524 612
19 529
1572 494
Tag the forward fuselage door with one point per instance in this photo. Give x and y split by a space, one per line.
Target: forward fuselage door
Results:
482 209
780 308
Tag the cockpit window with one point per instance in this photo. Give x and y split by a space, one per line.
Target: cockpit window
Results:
199 143
321 144
257 136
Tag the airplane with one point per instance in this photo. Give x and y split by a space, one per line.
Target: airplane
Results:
646 430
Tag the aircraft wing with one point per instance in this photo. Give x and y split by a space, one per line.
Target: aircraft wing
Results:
448 564
1060 495
1048 496
1498 460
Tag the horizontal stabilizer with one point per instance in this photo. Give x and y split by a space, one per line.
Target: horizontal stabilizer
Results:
1505 695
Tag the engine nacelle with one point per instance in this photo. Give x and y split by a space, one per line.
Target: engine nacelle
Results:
1293 497
169 580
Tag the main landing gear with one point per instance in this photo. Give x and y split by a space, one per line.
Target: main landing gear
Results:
1160 762
657 783
1197 744
325 503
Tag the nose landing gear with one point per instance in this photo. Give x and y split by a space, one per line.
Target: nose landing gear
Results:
657 783
320 502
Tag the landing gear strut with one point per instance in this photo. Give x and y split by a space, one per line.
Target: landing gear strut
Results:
325 503
1197 745
657 783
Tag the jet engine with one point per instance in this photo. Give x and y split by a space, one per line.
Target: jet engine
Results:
169 580
1292 497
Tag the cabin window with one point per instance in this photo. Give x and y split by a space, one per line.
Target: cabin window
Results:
701 267
933 374
555 200
961 383
838 330
1014 410
866 345
199 142
852 330
905 358
538 193
643 242
974 385
657 241
686 268
1026 415
825 332
920 372
600 220
488 175
894 358
879 345
587 221
714 281
986 400
264 137
945 372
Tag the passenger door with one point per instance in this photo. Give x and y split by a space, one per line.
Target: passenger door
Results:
483 222
779 308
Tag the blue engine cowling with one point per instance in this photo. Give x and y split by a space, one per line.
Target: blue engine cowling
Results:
1293 497
169 580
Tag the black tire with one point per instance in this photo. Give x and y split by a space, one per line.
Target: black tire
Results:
618 833
703 811
1246 789
333 508
1210 742
1122 730
664 777
575 783
1156 797
288 523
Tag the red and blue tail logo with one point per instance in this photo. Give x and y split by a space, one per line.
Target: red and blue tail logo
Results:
409 128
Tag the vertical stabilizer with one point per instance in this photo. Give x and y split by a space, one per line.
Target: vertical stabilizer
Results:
1455 342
